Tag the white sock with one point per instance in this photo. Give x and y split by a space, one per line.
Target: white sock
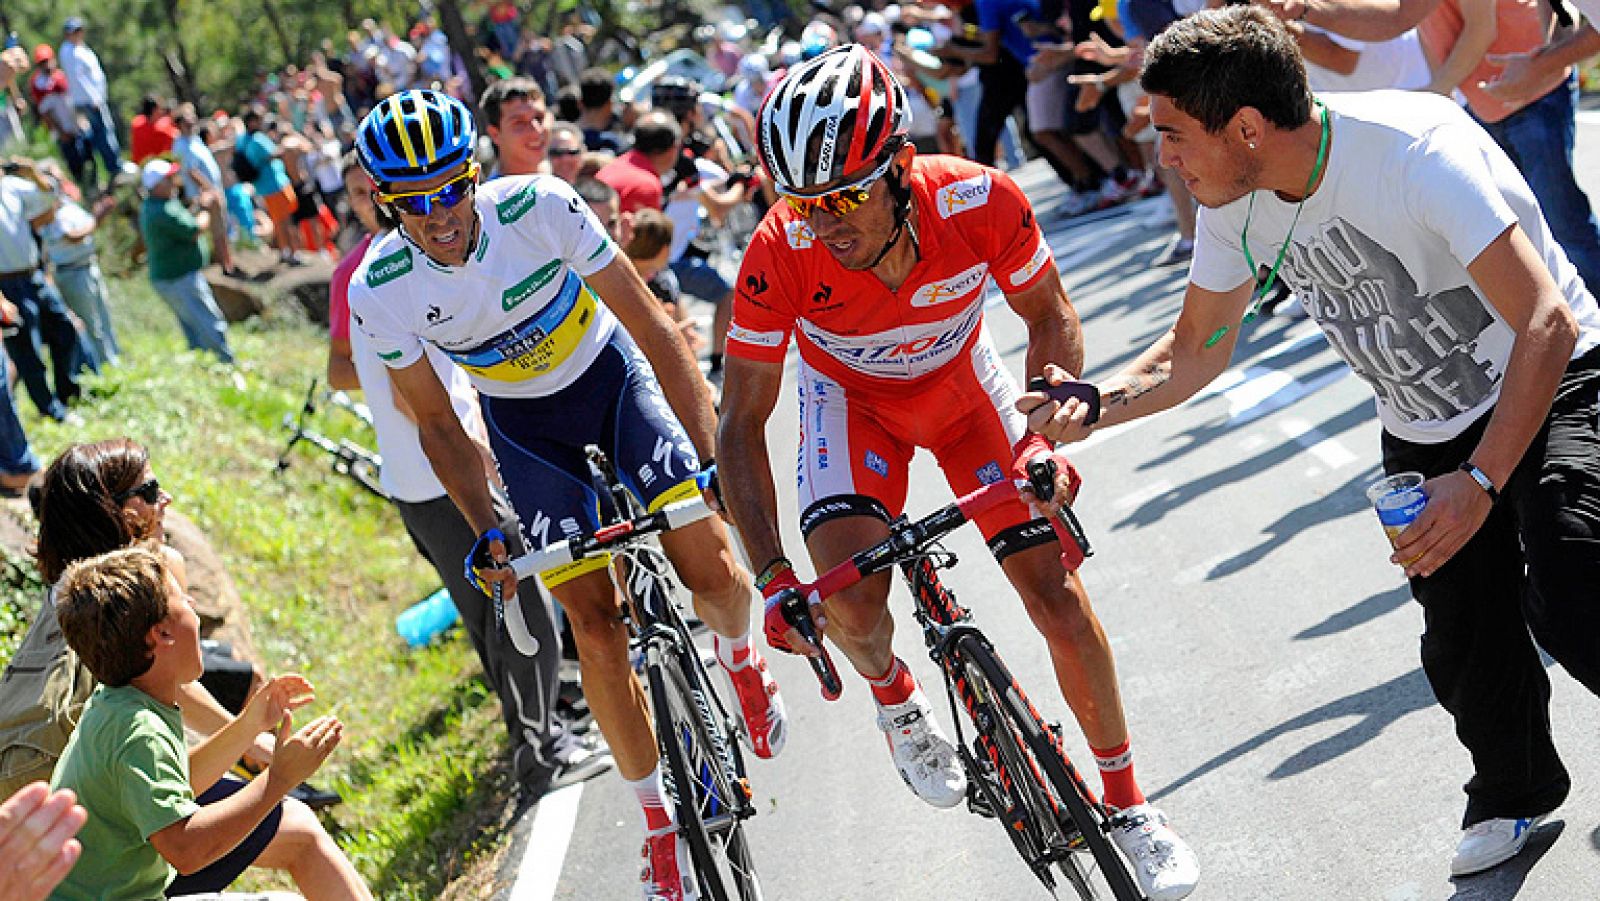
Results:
734 653
652 802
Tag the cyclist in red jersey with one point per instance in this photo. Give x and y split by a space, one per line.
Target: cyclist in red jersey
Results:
876 266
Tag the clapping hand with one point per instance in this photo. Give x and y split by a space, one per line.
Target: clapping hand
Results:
268 707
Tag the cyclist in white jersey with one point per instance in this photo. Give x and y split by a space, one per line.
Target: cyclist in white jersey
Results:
517 282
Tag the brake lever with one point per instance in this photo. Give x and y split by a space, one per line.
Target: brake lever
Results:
1042 480
797 611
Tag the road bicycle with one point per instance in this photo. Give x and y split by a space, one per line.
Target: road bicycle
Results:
1017 770
350 459
698 736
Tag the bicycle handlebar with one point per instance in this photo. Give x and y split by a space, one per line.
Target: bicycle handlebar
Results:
905 537
571 550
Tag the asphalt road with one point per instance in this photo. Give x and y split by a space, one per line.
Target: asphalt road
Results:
1267 653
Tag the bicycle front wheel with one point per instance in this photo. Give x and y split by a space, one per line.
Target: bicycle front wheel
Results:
704 776
1050 815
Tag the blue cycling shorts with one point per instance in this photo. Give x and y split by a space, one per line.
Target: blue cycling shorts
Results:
538 445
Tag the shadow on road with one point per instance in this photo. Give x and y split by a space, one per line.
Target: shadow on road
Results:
1159 506
1373 709
1505 881
1364 612
1346 500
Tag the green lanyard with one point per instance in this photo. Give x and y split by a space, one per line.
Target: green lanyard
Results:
1244 233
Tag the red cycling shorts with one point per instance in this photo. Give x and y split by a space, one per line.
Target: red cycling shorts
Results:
856 447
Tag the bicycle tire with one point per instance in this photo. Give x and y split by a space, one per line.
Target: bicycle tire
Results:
1044 767
712 826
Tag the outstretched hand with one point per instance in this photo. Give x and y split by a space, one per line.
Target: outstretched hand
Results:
1062 423
277 698
37 848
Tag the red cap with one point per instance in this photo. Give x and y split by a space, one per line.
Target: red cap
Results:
42 53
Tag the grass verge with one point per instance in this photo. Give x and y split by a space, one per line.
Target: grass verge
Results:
322 568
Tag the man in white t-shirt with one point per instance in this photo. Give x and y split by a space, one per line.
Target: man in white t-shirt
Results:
1413 242
1337 63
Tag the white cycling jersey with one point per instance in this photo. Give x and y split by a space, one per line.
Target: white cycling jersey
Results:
517 315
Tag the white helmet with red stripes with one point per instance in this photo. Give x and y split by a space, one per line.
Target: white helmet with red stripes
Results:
831 115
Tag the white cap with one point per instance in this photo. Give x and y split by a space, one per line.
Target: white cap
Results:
155 172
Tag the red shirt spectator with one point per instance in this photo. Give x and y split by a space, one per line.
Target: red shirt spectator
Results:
635 181
151 134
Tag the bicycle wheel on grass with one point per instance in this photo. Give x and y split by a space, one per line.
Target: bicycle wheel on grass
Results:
1050 809
705 775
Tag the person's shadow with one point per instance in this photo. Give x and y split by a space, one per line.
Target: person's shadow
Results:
1505 881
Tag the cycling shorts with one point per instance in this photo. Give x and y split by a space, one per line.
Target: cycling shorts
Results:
538 444
856 448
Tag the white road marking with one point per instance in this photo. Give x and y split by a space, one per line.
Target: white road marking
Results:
540 870
1143 496
1327 450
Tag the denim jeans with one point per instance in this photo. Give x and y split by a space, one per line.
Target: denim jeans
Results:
103 138
84 290
45 323
202 322
1532 567
1538 138
16 456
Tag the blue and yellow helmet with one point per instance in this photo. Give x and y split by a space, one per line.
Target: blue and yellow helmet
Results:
414 135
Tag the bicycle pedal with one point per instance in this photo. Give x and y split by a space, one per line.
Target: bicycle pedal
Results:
978 803
744 786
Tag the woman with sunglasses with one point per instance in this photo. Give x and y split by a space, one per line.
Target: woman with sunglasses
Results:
100 497
877 264
517 282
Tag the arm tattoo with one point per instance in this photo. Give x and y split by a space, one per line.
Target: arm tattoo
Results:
1138 384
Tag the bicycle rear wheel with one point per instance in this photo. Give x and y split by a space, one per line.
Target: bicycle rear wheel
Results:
704 775
1048 814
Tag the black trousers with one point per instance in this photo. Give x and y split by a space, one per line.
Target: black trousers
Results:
1005 86
526 685
1531 573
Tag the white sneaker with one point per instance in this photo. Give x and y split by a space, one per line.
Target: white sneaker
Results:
925 757
1162 863
1490 843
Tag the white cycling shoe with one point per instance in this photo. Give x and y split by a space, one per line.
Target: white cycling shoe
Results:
925 757
1162 863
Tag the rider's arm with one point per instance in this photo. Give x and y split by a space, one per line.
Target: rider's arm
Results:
1054 333
749 394
449 449
619 285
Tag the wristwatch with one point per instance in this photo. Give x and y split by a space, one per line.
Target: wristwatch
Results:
1483 480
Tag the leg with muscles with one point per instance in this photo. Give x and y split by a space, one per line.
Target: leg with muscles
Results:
1056 601
615 696
860 624
704 560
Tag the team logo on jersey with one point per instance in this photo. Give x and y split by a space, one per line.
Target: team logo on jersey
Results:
990 472
1027 219
964 195
391 356
604 243
433 314
389 268
952 288
876 463
517 205
759 339
824 293
529 286
822 452
1026 273
756 284
800 234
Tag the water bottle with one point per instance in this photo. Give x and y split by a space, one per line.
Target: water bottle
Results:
427 619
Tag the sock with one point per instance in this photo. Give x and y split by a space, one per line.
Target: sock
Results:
895 686
1116 776
648 790
733 652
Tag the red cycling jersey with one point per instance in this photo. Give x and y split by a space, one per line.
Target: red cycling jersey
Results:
972 223
885 372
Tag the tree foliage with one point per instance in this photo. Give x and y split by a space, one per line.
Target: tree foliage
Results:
226 44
